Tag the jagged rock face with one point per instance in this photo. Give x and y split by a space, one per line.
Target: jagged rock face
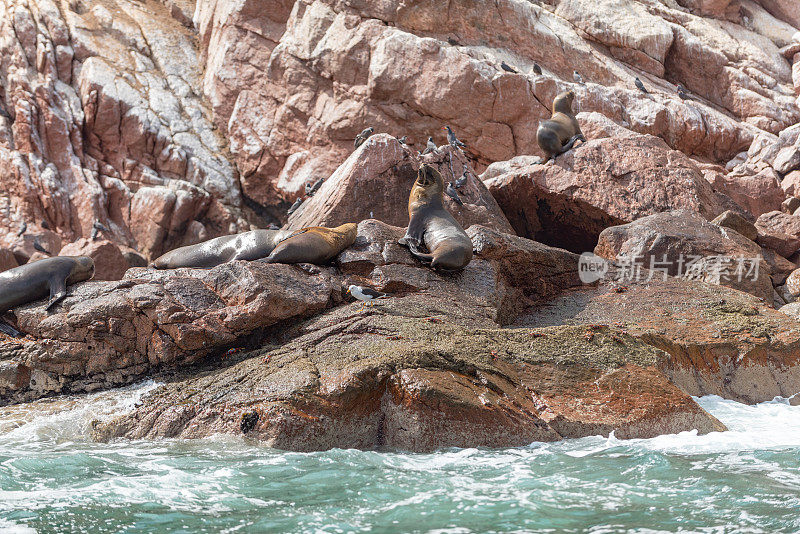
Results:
109 124
602 183
330 68
112 120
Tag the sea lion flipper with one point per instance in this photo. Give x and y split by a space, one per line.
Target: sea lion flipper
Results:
415 233
423 257
9 330
58 290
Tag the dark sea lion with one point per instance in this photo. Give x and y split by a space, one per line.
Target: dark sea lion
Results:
432 227
250 246
559 133
33 281
315 244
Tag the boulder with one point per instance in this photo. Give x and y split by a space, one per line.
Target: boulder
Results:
680 243
755 193
734 221
602 183
780 232
790 205
375 183
109 263
7 260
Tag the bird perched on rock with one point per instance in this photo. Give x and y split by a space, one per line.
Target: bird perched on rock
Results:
360 138
452 42
508 68
682 94
98 227
452 193
577 77
536 68
404 141
22 228
311 189
273 226
38 246
453 140
295 206
461 182
366 294
640 86
430 147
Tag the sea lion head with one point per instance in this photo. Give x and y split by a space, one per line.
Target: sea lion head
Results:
563 102
82 270
430 179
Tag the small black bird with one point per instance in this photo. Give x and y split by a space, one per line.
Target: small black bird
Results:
536 68
39 247
508 68
98 227
363 136
22 228
311 189
94 233
577 77
452 41
452 193
295 206
430 147
404 141
45 225
461 182
452 139
682 94
640 86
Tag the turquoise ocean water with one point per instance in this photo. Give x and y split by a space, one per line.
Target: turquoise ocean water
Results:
54 479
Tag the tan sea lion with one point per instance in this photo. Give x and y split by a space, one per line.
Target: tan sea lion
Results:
432 227
559 133
315 244
250 246
33 281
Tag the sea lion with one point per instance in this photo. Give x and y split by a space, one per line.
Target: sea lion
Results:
315 244
431 226
245 246
559 133
33 281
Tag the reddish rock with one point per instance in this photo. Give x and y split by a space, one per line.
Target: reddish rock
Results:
729 219
720 341
599 184
7 260
680 243
109 263
780 232
423 383
376 180
758 193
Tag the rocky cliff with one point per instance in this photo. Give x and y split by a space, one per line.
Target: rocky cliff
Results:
129 128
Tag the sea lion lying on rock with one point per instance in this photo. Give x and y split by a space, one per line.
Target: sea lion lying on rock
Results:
33 281
315 244
559 133
432 227
251 245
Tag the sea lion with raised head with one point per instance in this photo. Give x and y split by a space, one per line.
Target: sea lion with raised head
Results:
560 132
33 281
251 245
430 225
315 244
